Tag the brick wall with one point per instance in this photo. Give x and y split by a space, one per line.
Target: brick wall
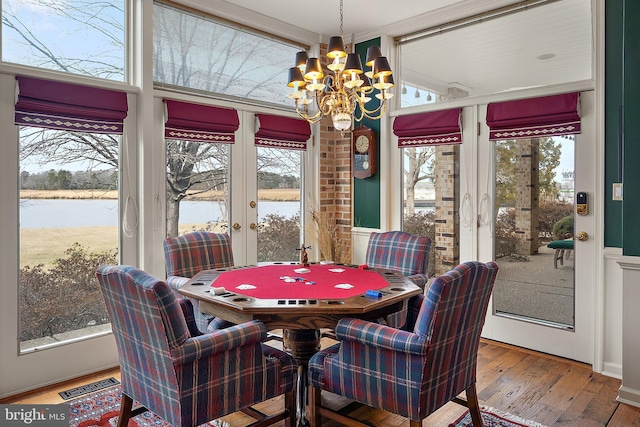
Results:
447 241
335 179
527 189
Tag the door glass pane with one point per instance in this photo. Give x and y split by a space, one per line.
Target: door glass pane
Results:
534 230
431 195
279 204
68 227
197 187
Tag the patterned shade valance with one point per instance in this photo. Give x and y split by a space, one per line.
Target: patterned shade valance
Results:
431 128
200 123
282 132
67 106
535 117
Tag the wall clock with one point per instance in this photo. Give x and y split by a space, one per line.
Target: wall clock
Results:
363 148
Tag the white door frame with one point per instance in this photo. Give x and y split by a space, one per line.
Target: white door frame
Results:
243 190
579 343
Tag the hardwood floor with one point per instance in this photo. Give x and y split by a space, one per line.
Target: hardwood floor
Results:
538 387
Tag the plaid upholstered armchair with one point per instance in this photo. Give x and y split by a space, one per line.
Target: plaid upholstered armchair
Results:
402 252
190 253
181 375
415 371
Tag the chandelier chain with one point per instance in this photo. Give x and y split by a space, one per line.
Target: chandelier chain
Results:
341 18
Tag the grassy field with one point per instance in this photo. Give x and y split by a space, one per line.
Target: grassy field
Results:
44 245
277 194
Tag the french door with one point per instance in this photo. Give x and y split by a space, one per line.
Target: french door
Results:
266 199
543 298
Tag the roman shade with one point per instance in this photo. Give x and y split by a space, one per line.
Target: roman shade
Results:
200 123
431 128
282 132
535 117
68 106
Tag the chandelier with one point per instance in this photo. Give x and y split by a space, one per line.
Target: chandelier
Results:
344 88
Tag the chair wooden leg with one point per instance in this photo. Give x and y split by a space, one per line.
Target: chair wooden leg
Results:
414 423
315 400
126 404
290 407
474 407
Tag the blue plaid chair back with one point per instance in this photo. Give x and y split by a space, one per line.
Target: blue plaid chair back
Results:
189 253
451 318
148 324
400 251
412 372
167 365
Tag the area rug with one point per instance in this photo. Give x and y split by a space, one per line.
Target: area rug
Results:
101 409
494 418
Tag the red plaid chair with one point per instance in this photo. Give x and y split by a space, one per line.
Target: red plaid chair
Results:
181 375
402 252
415 371
190 253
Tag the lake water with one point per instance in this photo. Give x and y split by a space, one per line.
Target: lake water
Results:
60 213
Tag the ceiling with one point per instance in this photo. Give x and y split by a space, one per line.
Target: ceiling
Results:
360 16
539 46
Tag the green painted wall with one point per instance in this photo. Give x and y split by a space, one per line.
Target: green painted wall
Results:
613 129
631 138
366 192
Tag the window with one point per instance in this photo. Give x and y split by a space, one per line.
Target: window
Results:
496 52
430 152
279 204
197 186
199 53
79 37
198 138
68 226
69 206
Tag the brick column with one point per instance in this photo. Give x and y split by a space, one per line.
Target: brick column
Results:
527 193
447 241
335 196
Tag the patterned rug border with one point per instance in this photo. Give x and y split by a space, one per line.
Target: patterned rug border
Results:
493 412
102 408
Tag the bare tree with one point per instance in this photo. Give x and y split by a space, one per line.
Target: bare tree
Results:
189 52
414 172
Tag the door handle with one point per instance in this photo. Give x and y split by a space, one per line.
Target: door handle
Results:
236 226
582 236
253 226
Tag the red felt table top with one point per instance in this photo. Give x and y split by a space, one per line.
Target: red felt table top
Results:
269 282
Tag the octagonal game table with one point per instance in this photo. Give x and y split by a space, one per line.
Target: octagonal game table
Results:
299 300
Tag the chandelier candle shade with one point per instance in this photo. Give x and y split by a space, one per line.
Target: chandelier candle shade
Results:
346 87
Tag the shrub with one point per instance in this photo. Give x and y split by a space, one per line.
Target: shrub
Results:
505 233
423 223
65 298
279 238
563 229
549 214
